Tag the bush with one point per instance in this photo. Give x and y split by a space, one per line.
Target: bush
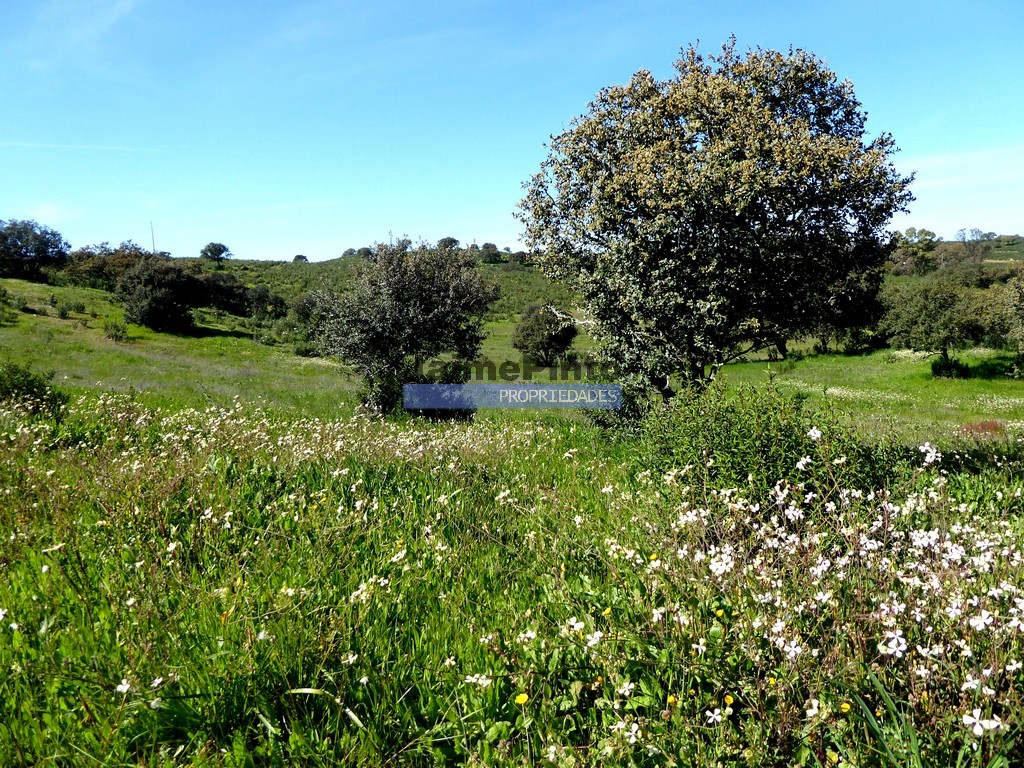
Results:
544 335
159 295
753 438
950 368
20 386
116 331
5 304
100 266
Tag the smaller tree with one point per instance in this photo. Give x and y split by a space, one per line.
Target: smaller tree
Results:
976 243
544 335
28 250
300 259
215 252
406 306
101 266
263 304
915 252
159 295
930 315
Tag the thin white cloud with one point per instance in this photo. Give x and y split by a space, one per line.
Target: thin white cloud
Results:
86 147
974 168
73 32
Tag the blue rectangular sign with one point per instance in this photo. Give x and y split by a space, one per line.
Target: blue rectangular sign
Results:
416 397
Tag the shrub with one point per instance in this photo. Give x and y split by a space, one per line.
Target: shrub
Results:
755 437
20 386
159 295
950 368
544 335
5 304
116 331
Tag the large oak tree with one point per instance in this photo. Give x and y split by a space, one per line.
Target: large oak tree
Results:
725 209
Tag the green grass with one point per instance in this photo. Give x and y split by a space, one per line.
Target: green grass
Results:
894 389
209 561
882 391
1007 248
212 367
225 588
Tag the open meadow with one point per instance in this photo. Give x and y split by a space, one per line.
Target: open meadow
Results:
210 558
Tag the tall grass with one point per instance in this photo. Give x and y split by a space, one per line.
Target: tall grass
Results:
223 587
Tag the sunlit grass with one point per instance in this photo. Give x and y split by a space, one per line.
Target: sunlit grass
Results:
220 586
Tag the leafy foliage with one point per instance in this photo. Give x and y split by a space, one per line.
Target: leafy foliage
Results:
915 252
933 315
159 295
101 266
20 386
405 306
716 211
215 252
29 250
544 335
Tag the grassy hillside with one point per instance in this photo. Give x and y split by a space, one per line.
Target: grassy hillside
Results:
212 367
221 361
1007 248
219 564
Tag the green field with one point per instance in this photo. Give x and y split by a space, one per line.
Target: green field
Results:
886 390
209 558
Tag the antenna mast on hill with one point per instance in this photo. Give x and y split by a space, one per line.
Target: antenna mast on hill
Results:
152 237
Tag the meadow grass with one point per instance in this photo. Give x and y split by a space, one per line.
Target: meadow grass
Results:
894 390
885 391
222 586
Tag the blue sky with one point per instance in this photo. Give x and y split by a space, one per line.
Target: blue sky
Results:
310 126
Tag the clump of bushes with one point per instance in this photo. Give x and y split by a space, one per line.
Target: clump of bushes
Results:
116 331
20 386
752 438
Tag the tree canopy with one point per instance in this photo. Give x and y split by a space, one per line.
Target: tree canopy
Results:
215 252
933 315
544 335
159 294
714 212
29 249
405 306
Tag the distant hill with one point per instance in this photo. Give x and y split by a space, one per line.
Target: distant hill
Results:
519 285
